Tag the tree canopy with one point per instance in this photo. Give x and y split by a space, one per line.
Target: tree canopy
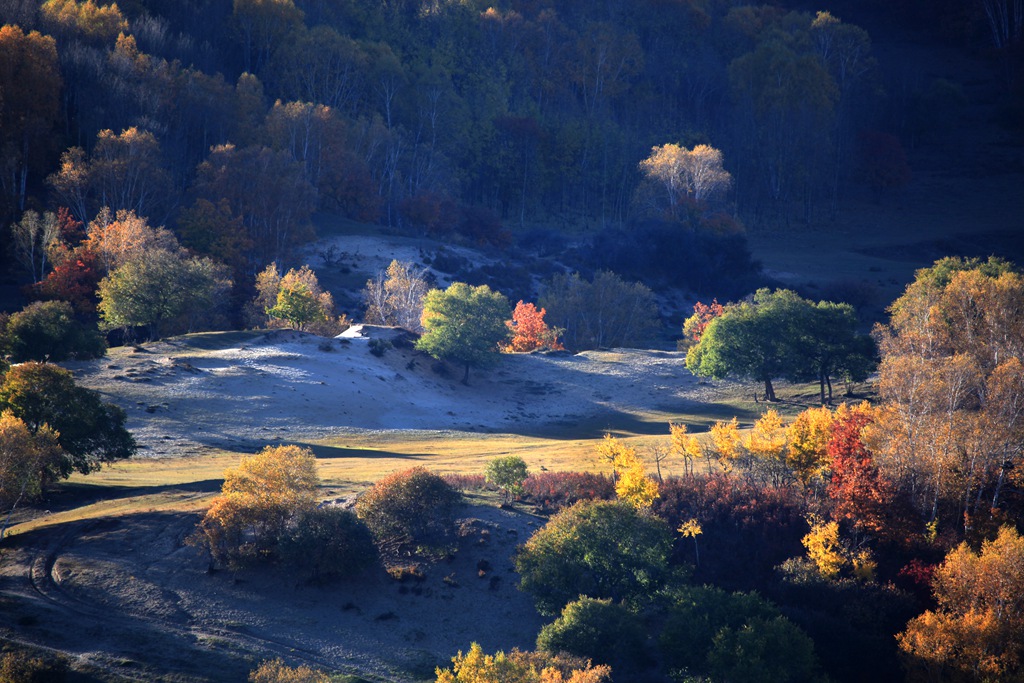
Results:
464 324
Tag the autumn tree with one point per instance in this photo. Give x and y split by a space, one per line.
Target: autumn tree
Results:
951 426
30 74
28 462
529 331
395 296
808 436
118 237
595 548
409 508
464 324
632 485
687 173
975 631
90 431
507 473
276 671
523 667
163 288
604 312
703 314
260 498
296 304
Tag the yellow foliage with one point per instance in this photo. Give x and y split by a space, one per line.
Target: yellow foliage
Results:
808 438
276 671
520 667
685 445
864 565
632 484
725 437
767 439
824 549
690 528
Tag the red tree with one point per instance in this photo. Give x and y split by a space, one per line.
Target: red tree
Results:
529 331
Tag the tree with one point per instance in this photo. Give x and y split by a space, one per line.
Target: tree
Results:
464 324
295 297
696 173
600 631
117 238
594 548
296 304
977 626
412 507
90 431
703 314
259 501
28 462
161 288
808 436
507 473
30 74
605 312
395 297
48 331
529 331
327 543
34 236
632 485
520 667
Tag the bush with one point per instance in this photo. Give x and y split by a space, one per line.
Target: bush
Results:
20 667
601 631
554 491
48 330
508 474
466 482
276 671
328 543
748 529
412 507
598 549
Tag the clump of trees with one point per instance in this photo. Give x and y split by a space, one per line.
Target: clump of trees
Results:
529 667
604 312
464 325
395 297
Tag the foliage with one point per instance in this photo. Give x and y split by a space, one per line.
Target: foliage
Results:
520 667
328 543
276 671
529 331
951 429
780 334
693 173
296 298
33 237
976 628
824 548
600 631
297 305
808 436
632 485
763 650
260 501
507 473
554 491
28 462
464 324
686 446
20 667
703 314
595 548
395 297
90 431
162 290
766 444
411 507
605 312
49 331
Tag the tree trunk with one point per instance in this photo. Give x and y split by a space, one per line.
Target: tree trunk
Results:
769 390
465 377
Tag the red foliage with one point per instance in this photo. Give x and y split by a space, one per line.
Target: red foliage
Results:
917 576
552 491
704 313
747 529
72 231
529 331
75 281
465 482
858 493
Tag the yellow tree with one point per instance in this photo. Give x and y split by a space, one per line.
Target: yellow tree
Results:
695 173
807 438
476 666
686 446
632 484
726 442
977 627
766 444
27 463
824 548
258 500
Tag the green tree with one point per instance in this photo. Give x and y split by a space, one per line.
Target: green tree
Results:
605 312
595 548
297 304
48 330
162 287
464 324
599 630
90 431
763 651
507 473
328 543
28 462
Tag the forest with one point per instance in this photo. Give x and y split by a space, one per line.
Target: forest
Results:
164 168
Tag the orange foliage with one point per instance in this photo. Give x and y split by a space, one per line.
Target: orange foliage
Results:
529 331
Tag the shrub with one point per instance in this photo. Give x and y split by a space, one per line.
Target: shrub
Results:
48 330
508 474
598 549
601 631
554 491
328 543
465 482
20 667
276 671
414 507
521 667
